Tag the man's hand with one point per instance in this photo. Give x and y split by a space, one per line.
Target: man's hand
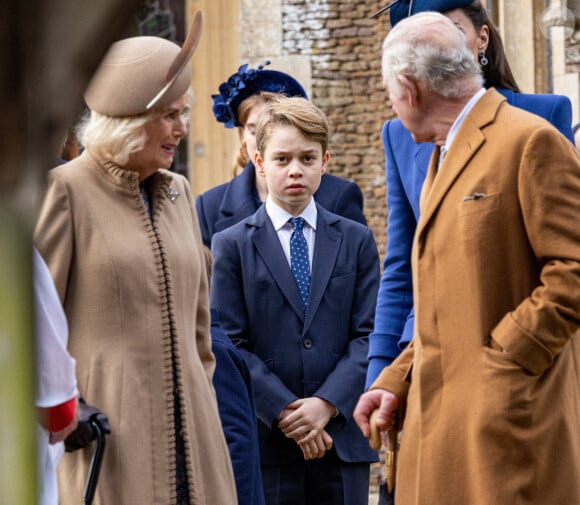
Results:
303 420
381 399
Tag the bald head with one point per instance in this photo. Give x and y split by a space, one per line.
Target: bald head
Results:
429 49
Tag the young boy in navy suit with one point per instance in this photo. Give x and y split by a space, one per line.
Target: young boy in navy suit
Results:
295 287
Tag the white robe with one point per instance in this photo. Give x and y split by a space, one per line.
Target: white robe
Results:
56 380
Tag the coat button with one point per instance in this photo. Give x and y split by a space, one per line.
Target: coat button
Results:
307 343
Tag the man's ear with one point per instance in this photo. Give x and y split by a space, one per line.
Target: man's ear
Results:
410 90
325 160
259 164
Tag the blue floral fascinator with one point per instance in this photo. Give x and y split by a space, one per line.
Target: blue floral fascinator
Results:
247 82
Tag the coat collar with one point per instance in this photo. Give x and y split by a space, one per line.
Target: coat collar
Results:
327 245
468 141
238 200
239 193
126 180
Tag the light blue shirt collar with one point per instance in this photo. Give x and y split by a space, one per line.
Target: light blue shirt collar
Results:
461 118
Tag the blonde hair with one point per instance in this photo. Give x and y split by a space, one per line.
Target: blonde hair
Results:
298 112
116 138
113 138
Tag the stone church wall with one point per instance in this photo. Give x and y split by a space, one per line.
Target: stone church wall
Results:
334 49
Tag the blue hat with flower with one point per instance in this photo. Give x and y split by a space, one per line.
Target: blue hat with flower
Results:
401 9
247 82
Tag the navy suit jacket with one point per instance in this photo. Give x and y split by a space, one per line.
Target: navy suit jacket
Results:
290 355
229 203
406 168
233 386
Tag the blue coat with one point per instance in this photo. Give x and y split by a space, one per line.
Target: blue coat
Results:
233 386
229 203
291 356
406 168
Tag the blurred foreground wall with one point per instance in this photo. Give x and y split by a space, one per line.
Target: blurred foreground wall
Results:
48 51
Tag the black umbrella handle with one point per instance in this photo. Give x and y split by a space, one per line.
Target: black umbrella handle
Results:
96 462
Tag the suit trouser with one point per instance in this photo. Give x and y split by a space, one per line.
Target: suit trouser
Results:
325 481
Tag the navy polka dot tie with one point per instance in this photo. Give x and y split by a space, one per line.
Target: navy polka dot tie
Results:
299 262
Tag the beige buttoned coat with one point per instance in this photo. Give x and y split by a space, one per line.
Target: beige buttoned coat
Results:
496 256
135 293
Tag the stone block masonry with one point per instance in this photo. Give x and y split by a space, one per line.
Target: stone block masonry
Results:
344 49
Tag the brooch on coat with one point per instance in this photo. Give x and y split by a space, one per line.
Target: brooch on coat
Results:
172 194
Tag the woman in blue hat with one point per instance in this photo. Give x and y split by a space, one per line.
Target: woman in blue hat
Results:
406 167
238 104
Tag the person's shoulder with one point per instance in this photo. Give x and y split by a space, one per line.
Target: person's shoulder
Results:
342 223
334 190
542 104
394 133
239 183
330 181
542 98
534 111
395 127
215 193
240 229
71 170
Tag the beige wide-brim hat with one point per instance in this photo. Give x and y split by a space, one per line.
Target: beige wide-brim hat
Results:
139 73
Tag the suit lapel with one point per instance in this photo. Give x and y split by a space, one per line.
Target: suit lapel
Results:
270 250
467 142
429 179
326 247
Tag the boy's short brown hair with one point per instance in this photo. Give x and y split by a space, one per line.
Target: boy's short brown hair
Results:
295 111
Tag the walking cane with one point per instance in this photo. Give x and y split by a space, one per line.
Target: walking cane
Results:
389 467
92 425
96 461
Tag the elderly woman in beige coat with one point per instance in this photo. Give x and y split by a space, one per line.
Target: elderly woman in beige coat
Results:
121 237
489 391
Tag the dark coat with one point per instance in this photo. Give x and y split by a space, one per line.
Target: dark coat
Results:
290 356
233 386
